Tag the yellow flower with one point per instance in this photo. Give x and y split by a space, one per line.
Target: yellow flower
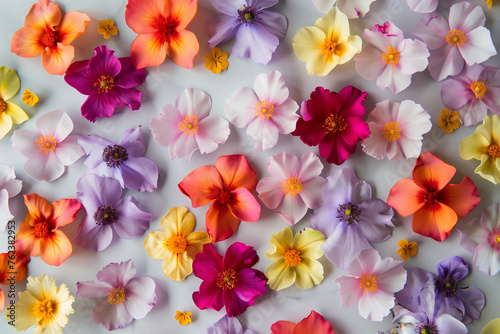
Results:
326 44
29 98
489 2
176 245
493 327
9 112
295 259
217 61
183 318
484 145
407 249
107 28
44 305
449 120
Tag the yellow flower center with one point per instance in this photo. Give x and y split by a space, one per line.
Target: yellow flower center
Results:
368 282
291 186
49 38
264 109
43 309
176 244
497 239
391 57
456 38
189 125
227 279
42 229
46 144
329 47
292 257
104 84
392 131
116 296
494 151
2 105
334 123
479 89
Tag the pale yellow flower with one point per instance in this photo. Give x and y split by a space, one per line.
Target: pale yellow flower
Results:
107 28
10 113
407 249
29 98
183 318
493 327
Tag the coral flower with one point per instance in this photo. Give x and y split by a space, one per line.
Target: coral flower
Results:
229 185
314 323
449 120
13 265
228 281
327 44
107 28
9 112
217 61
161 25
39 231
436 205
407 249
47 32
9 187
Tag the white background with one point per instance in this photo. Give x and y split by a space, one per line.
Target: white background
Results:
161 87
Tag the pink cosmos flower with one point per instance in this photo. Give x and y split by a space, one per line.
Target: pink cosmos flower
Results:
228 281
396 130
48 148
266 112
124 298
352 8
187 126
462 38
372 283
9 187
293 186
390 58
473 92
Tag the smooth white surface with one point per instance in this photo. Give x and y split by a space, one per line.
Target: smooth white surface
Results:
162 85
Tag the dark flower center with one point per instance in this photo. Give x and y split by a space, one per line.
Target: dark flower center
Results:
49 38
431 196
166 26
247 14
493 150
114 155
2 105
447 285
227 279
104 83
224 197
426 329
42 229
348 213
105 215
334 123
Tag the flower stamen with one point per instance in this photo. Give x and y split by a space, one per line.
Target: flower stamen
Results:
348 213
456 38
224 197
291 186
247 14
42 229
189 125
49 38
391 57
104 84
264 109
447 285
43 309
368 282
227 279
116 296
292 257
46 144
329 47
176 244
114 155
2 105
334 123
105 215
479 89
392 131
494 151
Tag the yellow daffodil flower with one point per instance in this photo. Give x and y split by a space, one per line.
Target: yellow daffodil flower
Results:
107 28
407 249
9 112
217 61
449 120
183 318
29 98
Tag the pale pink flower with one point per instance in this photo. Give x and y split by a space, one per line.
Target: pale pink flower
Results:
422 6
352 8
48 148
9 187
390 58
293 187
266 111
397 130
187 126
372 283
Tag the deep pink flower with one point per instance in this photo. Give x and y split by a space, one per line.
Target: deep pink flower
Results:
228 281
334 121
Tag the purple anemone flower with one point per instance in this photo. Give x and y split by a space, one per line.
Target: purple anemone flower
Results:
106 210
121 161
108 81
351 219
258 32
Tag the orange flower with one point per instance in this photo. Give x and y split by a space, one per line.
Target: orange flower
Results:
161 27
39 232
13 266
45 31
436 205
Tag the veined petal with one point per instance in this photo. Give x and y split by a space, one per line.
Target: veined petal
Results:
422 6
182 48
26 242
292 209
193 102
413 57
148 50
141 16
240 107
79 77
376 305
202 185
56 60
478 47
334 24
309 273
92 236
255 42
280 275
462 198
111 316
274 22
155 245
55 248
43 13
221 28
132 222
271 87
349 290
91 289
445 61
430 171
308 242
178 221
26 42
220 222
38 208
404 197
236 172
44 167
140 174
474 147
264 132
64 211
432 29
435 221
140 296
72 25
244 206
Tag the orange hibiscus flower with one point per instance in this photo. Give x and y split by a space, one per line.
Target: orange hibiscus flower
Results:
47 32
436 205
161 27
39 232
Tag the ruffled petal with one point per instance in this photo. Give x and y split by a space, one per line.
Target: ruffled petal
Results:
255 42
202 185
213 130
236 172
140 296
240 107
462 198
72 25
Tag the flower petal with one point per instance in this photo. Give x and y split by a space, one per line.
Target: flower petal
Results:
236 172
132 222
462 198
72 25
255 42
140 296
478 47
280 275
111 316
91 289
435 221
202 185
92 236
182 48
9 83
140 174
404 197
117 274
220 222
213 130
432 172
56 60
148 50
141 16
55 248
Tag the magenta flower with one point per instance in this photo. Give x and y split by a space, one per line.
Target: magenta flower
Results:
228 281
473 92
462 38
334 121
124 298
108 81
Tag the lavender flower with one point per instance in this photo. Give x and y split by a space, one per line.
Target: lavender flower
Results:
227 325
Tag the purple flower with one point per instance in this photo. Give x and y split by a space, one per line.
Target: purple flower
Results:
258 32
123 298
101 198
351 219
121 161
108 81
227 325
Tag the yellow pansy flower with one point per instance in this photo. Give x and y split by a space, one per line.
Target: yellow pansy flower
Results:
107 28
217 61
183 318
9 112
407 249
29 98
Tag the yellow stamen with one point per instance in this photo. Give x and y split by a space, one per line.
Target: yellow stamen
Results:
227 279
46 144
368 282
264 109
456 38
494 151
291 186
329 47
292 257
105 83
334 123
391 57
2 105
116 296
189 125
176 244
43 309
479 89
391 131
497 239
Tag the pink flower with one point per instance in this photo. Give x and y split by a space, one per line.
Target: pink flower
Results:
473 92
265 112
187 126
50 147
9 187
124 298
228 281
390 58
396 130
352 8
422 6
293 186
372 283
462 38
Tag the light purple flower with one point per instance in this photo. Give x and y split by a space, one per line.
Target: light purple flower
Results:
351 218
473 92
108 81
106 210
227 325
123 298
462 38
422 6
258 32
9 187
352 8
121 161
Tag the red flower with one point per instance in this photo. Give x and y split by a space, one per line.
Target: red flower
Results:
314 323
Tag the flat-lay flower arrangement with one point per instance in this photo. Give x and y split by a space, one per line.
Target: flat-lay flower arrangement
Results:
250 166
